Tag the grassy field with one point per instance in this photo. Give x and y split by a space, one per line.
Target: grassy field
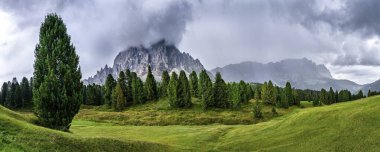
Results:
158 113
351 126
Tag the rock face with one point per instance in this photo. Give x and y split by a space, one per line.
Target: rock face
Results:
160 56
301 73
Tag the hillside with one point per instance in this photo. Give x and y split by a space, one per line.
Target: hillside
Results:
350 126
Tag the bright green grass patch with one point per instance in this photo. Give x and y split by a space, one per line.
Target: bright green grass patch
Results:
351 126
18 134
158 113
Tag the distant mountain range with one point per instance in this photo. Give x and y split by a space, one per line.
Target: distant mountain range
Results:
301 73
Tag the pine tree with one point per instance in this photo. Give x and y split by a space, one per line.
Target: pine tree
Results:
270 93
118 98
288 93
331 96
234 96
165 78
183 91
151 86
264 92
108 89
128 94
206 91
4 93
25 92
220 92
194 84
138 91
243 92
57 86
323 98
257 93
122 81
172 90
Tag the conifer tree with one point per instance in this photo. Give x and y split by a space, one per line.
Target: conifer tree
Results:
172 90
220 92
234 96
257 110
206 91
331 96
118 98
108 89
138 91
288 93
165 78
150 86
243 91
323 98
122 81
257 93
57 86
264 93
25 92
128 77
4 93
183 91
194 84
271 95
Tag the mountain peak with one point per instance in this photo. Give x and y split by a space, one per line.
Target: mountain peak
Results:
161 56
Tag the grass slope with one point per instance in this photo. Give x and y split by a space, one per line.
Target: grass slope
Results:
351 126
17 133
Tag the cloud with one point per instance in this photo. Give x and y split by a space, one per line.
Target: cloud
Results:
99 29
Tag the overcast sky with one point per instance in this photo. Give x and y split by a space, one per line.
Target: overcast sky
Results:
342 34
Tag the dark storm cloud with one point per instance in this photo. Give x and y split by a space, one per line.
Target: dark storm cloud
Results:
100 29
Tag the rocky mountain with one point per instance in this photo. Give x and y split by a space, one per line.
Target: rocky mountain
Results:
302 73
374 86
160 56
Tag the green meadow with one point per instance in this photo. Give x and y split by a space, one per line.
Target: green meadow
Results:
349 126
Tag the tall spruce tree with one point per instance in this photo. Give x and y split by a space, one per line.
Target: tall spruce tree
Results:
220 92
122 81
172 90
128 77
165 78
257 93
108 89
183 91
4 93
234 96
138 91
271 94
194 84
150 86
264 93
57 86
118 98
288 94
25 92
206 93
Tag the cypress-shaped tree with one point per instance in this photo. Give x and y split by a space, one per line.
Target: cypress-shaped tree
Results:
234 95
108 89
257 93
57 86
288 94
172 90
122 81
165 78
194 84
264 93
183 91
25 92
118 98
151 86
138 91
331 96
207 91
220 92
128 77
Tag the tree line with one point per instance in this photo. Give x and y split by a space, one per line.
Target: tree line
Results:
17 95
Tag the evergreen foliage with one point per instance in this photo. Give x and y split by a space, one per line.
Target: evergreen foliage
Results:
150 86
165 78
108 89
57 86
194 84
172 90
206 91
118 98
183 91
220 92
